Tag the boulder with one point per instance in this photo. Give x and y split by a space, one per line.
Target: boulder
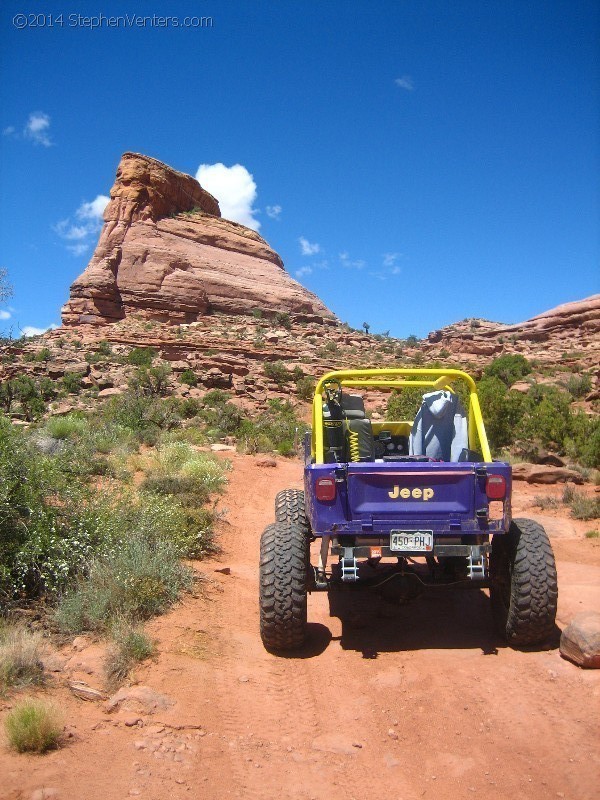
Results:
542 473
580 640
165 253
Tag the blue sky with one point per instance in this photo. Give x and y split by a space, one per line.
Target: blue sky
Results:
414 163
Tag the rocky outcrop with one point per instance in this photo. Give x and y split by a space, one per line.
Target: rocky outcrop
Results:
165 253
568 332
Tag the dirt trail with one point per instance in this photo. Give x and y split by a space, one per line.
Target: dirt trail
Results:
420 701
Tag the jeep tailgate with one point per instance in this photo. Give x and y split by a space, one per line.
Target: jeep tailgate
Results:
411 491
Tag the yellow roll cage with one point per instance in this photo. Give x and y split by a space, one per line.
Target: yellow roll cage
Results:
401 378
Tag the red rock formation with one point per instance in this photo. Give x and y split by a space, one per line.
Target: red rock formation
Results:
571 328
166 253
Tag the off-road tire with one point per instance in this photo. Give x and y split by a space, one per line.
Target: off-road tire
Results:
289 507
283 579
524 589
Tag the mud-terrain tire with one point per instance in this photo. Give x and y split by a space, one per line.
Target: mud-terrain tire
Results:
283 578
524 589
289 507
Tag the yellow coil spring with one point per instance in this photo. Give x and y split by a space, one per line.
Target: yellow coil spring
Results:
353 446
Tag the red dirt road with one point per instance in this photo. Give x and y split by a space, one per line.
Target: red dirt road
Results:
411 702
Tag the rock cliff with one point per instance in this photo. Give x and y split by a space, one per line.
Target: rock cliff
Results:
571 329
165 253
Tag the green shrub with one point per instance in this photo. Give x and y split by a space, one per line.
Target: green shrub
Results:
277 372
33 727
594 534
585 508
283 318
43 355
104 348
275 429
20 658
136 581
188 377
305 388
404 404
150 381
71 382
579 386
141 356
130 646
68 427
501 409
508 368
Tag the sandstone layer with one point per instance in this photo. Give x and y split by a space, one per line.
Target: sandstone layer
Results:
569 330
165 253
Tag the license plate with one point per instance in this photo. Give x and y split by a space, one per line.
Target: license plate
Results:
411 541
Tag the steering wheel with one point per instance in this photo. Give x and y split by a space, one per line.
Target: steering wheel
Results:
332 390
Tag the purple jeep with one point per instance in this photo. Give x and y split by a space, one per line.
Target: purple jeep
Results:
409 503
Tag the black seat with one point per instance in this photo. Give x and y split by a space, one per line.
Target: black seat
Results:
348 433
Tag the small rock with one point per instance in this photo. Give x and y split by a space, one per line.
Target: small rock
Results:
265 462
85 692
110 392
224 570
580 640
392 733
540 473
131 721
80 643
243 679
45 794
221 448
139 698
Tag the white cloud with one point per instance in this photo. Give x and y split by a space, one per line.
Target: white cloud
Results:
5 314
10 130
395 270
234 188
94 209
300 273
389 259
405 82
348 263
30 330
87 224
308 248
37 128
274 211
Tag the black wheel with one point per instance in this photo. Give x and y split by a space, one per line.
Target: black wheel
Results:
283 585
524 589
289 507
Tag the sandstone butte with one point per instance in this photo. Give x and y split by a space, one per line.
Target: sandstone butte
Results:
165 253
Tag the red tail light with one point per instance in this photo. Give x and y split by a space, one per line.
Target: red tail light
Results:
325 489
495 487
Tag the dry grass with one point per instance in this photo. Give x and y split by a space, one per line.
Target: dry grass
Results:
20 658
33 727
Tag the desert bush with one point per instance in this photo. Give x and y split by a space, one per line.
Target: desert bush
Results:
141 356
188 377
593 534
305 388
585 508
508 368
134 582
130 647
33 727
283 318
501 409
20 658
70 426
579 386
403 405
71 382
275 429
277 372
150 381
